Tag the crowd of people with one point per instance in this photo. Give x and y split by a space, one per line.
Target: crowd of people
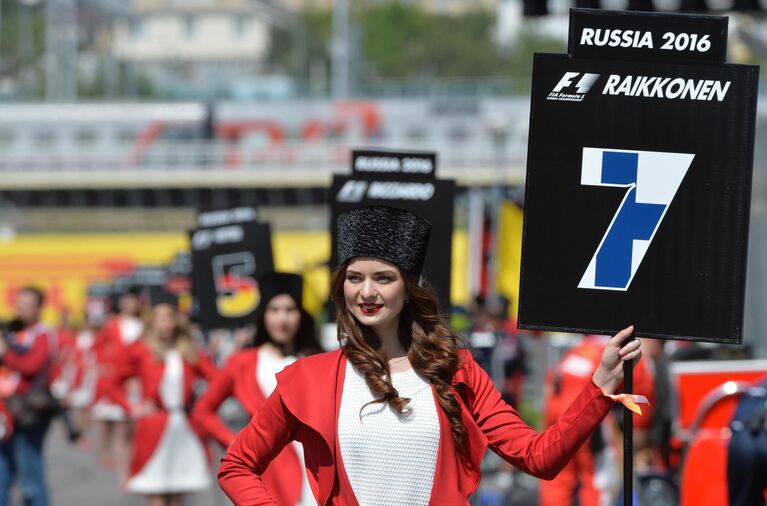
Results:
401 398
130 380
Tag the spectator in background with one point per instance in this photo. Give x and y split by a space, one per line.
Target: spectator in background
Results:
747 452
83 373
65 346
26 352
589 478
64 372
513 355
496 346
659 430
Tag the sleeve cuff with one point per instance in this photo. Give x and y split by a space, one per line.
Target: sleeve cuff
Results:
598 393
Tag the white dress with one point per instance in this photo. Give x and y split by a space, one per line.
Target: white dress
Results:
268 366
390 458
82 396
179 463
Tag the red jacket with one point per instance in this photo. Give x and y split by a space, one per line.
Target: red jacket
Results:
299 409
138 361
6 422
28 360
237 378
109 349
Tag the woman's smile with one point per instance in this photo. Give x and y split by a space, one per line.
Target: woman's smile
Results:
374 291
370 309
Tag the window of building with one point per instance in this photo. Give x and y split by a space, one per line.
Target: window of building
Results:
136 28
190 26
126 137
85 137
239 24
6 138
44 138
416 133
458 133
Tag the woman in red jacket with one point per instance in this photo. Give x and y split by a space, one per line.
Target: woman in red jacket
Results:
111 343
168 457
284 330
400 414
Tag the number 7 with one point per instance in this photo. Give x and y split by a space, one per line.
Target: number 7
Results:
652 178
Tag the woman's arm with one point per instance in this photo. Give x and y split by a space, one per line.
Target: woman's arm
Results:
206 407
270 429
205 368
29 363
544 455
127 365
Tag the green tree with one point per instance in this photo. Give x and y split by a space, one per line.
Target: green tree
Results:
22 42
403 42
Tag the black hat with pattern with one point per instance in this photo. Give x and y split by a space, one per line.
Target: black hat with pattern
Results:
277 283
389 233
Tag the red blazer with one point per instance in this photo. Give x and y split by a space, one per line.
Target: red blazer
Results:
28 361
138 361
109 350
237 378
299 409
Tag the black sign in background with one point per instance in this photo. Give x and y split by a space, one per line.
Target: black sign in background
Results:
691 282
665 30
212 258
438 210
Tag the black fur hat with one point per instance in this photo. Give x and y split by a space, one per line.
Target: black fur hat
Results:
162 296
276 283
384 232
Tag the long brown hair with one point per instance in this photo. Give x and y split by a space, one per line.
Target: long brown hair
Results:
432 349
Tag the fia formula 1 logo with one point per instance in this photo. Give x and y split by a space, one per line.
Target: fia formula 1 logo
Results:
573 86
651 179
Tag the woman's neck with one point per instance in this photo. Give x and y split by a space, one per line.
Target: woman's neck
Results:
273 349
390 341
168 341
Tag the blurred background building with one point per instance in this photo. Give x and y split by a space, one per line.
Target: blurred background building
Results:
130 116
199 47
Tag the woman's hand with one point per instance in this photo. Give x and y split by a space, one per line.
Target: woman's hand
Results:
142 409
609 374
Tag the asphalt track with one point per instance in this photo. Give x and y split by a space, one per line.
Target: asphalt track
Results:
75 479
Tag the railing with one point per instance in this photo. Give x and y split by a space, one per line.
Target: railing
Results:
478 163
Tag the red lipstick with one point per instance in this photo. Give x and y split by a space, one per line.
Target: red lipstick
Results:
370 308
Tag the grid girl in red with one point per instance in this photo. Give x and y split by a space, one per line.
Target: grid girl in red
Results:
168 458
401 414
284 330
115 340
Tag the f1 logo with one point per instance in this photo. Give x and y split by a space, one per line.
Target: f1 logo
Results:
652 179
352 191
584 83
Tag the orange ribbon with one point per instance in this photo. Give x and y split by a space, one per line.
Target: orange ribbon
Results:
631 401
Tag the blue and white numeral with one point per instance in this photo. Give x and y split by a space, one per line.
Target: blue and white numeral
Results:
652 179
